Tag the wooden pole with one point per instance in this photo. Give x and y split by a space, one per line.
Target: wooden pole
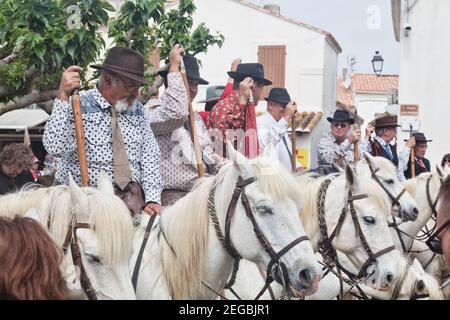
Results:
356 145
194 137
79 135
412 156
293 144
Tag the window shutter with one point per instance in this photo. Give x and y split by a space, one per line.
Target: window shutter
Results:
273 58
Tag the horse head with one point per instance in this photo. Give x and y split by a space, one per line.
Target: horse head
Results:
272 210
384 173
104 241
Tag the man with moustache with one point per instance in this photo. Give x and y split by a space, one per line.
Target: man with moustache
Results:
117 132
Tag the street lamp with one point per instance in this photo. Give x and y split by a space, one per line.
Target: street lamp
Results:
377 63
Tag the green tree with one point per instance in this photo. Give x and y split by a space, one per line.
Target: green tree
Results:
38 38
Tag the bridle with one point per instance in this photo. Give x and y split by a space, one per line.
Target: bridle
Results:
72 240
275 265
395 201
426 232
325 243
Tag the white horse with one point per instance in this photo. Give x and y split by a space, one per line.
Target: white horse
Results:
426 200
371 213
414 284
105 247
184 258
384 173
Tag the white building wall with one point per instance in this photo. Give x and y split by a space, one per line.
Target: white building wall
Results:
425 72
245 29
369 106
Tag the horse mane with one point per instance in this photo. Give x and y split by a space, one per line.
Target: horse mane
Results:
310 189
386 165
411 184
187 228
109 218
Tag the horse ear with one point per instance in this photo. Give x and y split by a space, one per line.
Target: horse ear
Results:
420 287
351 177
417 265
104 184
77 197
241 163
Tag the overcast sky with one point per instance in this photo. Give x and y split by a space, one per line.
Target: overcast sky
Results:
360 26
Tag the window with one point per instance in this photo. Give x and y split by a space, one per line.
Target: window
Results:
273 58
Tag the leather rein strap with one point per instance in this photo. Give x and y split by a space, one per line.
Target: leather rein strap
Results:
137 266
72 240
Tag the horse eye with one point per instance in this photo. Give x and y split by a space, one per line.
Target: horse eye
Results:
369 220
389 181
93 259
263 209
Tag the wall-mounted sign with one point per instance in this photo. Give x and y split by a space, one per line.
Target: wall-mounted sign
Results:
409 110
303 157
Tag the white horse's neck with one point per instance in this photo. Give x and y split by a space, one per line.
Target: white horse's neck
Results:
411 228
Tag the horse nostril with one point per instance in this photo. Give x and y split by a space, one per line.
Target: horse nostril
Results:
389 277
416 211
305 276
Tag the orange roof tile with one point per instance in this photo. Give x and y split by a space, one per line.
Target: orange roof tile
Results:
363 82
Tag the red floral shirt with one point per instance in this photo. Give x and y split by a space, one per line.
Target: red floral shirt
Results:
230 116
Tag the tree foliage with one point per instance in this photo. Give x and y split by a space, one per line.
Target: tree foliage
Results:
39 38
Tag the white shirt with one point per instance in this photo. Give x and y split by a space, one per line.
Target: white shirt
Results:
269 130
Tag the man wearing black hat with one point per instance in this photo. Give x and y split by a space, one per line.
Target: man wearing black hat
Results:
273 125
234 116
385 132
337 146
421 164
178 167
117 132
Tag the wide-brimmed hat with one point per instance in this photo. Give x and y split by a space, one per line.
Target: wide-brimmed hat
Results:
125 62
341 116
279 95
420 137
387 121
192 70
213 94
252 70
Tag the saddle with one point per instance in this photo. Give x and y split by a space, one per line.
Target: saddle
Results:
132 196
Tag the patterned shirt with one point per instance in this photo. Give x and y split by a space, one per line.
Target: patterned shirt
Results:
234 120
330 151
140 144
178 165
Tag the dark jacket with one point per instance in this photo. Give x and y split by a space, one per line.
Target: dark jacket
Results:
378 151
8 184
417 169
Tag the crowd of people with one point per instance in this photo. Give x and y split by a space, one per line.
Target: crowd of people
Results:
147 150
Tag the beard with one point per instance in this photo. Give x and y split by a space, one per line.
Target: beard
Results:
125 104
